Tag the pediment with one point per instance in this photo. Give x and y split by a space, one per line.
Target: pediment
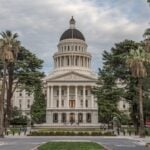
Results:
72 76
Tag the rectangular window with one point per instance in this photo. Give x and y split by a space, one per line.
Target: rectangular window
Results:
80 117
81 103
86 103
20 106
62 103
55 118
57 103
57 93
62 92
63 117
81 92
72 103
86 92
20 94
28 103
88 118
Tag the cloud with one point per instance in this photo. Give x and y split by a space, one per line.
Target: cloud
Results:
40 23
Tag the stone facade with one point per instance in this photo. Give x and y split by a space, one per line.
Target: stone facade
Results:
23 101
69 87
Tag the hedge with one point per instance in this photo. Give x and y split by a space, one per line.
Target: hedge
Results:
64 133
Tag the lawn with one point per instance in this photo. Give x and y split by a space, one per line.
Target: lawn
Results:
70 146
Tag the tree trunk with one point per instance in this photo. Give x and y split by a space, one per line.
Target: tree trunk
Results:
2 99
9 95
141 130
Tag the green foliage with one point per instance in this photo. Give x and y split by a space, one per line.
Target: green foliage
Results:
18 118
38 109
27 69
125 119
117 64
108 95
71 133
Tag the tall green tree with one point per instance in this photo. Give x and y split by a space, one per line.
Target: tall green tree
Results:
38 108
9 48
117 63
135 61
23 74
107 93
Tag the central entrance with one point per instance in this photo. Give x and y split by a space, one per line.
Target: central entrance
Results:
72 103
72 117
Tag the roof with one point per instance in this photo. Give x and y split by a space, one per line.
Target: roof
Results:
72 34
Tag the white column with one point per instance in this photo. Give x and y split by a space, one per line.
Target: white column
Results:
59 61
67 96
83 96
59 96
74 60
76 97
90 63
87 62
69 60
51 97
79 63
92 99
48 96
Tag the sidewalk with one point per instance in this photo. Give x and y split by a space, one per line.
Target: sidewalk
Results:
141 141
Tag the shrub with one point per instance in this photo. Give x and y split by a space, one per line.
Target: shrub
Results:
73 133
108 133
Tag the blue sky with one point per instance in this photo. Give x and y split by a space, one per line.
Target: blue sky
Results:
40 23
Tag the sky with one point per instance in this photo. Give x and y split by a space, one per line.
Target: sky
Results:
40 23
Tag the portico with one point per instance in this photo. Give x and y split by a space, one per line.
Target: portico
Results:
70 96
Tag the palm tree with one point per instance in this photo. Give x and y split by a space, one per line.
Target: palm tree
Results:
146 36
136 60
9 48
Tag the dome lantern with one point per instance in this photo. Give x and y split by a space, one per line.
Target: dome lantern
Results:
72 32
72 23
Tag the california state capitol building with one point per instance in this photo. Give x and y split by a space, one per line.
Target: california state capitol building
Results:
68 87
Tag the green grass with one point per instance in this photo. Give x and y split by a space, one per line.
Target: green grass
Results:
70 146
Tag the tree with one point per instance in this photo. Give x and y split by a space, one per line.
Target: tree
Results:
108 95
17 117
117 63
38 108
9 47
146 36
23 74
135 61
